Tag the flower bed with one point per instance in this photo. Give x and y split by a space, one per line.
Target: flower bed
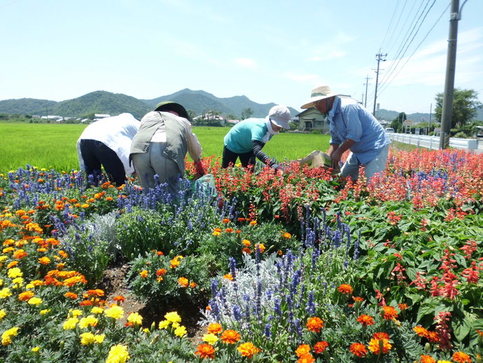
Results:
294 266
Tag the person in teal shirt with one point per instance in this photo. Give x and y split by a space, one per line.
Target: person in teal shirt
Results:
247 138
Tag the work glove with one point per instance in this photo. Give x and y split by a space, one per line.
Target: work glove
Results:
200 171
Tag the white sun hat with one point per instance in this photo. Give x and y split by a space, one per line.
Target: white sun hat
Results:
280 116
319 93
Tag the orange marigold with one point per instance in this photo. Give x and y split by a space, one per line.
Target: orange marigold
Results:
306 358
205 351
379 346
366 320
302 349
44 260
183 282
389 312
315 324
427 359
25 296
119 299
248 349
421 331
161 272
461 357
228 277
71 295
381 335
320 347
358 349
402 306
230 336
345 289
215 328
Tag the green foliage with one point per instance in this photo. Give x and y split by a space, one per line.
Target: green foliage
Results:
170 281
465 106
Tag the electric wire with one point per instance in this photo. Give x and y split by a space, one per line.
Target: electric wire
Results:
416 26
384 86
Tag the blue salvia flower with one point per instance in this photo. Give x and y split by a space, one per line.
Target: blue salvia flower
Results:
357 247
277 307
268 331
237 313
311 304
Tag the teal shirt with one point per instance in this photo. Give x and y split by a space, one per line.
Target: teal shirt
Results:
241 136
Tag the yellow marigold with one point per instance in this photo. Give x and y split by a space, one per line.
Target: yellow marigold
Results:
17 282
115 312
44 311
246 243
5 292
87 338
135 318
172 317
302 349
215 328
175 262
14 272
44 260
210 338
261 247
164 324
8 334
97 310
286 235
118 354
144 274
183 282
248 349
461 357
379 346
70 323
180 331
3 313
35 349
88 321
8 249
35 301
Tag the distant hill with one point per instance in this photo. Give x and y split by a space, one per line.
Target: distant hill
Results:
198 102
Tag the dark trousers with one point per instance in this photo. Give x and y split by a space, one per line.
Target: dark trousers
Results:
229 158
95 154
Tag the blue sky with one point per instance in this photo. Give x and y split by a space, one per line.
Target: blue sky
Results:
269 51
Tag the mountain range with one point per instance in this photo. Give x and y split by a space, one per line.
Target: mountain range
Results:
198 102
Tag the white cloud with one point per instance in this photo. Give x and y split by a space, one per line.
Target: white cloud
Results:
246 63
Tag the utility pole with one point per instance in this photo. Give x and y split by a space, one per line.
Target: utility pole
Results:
447 112
379 57
365 97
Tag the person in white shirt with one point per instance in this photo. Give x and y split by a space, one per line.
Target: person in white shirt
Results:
160 146
106 143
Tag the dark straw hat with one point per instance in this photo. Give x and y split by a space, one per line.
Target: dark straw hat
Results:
172 106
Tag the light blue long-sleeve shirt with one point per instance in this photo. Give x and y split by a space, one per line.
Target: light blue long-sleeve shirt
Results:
349 120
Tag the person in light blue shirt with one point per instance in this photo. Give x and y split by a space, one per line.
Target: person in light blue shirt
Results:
246 139
352 128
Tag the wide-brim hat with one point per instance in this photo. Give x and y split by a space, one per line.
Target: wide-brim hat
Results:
319 93
280 116
173 106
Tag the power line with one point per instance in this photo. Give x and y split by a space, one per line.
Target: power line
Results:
390 22
391 73
385 85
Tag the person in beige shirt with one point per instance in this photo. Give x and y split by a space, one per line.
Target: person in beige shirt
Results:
159 148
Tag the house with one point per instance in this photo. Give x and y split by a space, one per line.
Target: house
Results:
311 119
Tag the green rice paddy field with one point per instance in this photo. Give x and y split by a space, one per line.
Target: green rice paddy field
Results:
53 146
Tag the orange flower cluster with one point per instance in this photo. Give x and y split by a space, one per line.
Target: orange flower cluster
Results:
345 289
366 320
64 278
315 324
431 336
389 312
